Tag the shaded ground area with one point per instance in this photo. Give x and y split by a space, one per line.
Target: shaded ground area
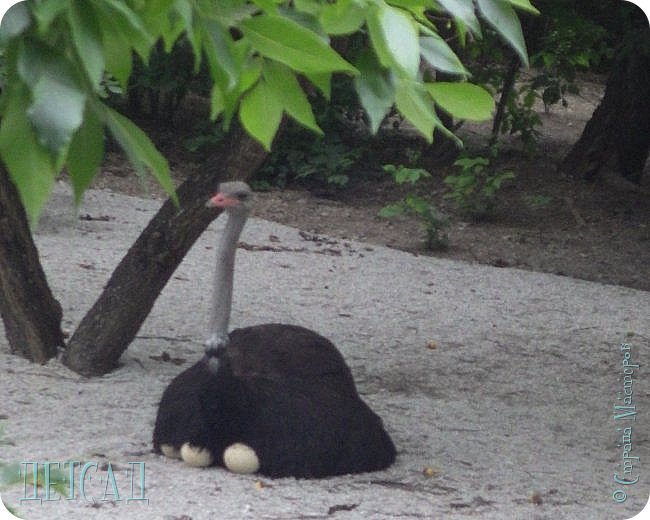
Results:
597 230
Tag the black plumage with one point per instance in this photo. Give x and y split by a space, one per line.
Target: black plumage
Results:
286 392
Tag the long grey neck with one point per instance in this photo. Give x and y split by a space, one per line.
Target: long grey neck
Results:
223 283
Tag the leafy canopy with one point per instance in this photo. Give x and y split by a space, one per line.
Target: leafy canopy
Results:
60 54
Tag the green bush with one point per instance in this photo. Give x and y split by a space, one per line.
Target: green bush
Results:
571 43
562 41
474 187
433 222
300 155
316 160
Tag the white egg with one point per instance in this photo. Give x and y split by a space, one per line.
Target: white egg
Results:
195 456
240 458
169 451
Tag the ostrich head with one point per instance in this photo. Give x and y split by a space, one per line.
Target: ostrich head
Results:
235 197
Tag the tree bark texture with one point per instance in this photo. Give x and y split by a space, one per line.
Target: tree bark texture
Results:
115 318
31 314
620 126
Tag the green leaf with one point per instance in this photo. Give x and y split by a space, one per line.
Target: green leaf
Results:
116 18
85 154
119 60
463 10
495 182
29 163
290 95
413 5
375 89
342 17
410 175
138 147
185 13
260 113
86 37
15 22
470 163
417 204
232 13
312 7
46 12
440 56
524 5
32 59
217 102
266 6
224 60
57 111
395 39
117 46
251 72
286 41
160 16
58 100
414 103
249 68
462 100
504 19
304 19
219 50
391 210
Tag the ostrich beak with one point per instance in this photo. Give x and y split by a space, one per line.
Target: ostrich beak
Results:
221 201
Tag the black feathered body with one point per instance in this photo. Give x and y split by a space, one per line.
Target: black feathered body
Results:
286 392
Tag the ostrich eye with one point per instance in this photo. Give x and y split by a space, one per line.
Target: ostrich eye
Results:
242 195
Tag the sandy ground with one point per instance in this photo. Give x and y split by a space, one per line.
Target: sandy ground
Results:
513 410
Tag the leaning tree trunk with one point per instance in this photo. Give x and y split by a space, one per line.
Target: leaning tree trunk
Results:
31 315
112 323
620 126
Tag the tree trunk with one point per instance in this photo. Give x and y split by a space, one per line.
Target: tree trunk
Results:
115 318
620 126
506 93
31 315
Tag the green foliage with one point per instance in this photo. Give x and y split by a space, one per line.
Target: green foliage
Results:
327 158
462 100
161 84
571 43
303 157
521 118
401 174
563 41
52 112
433 222
474 187
60 57
503 19
207 134
285 40
437 53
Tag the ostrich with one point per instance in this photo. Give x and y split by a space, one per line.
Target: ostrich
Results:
275 399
